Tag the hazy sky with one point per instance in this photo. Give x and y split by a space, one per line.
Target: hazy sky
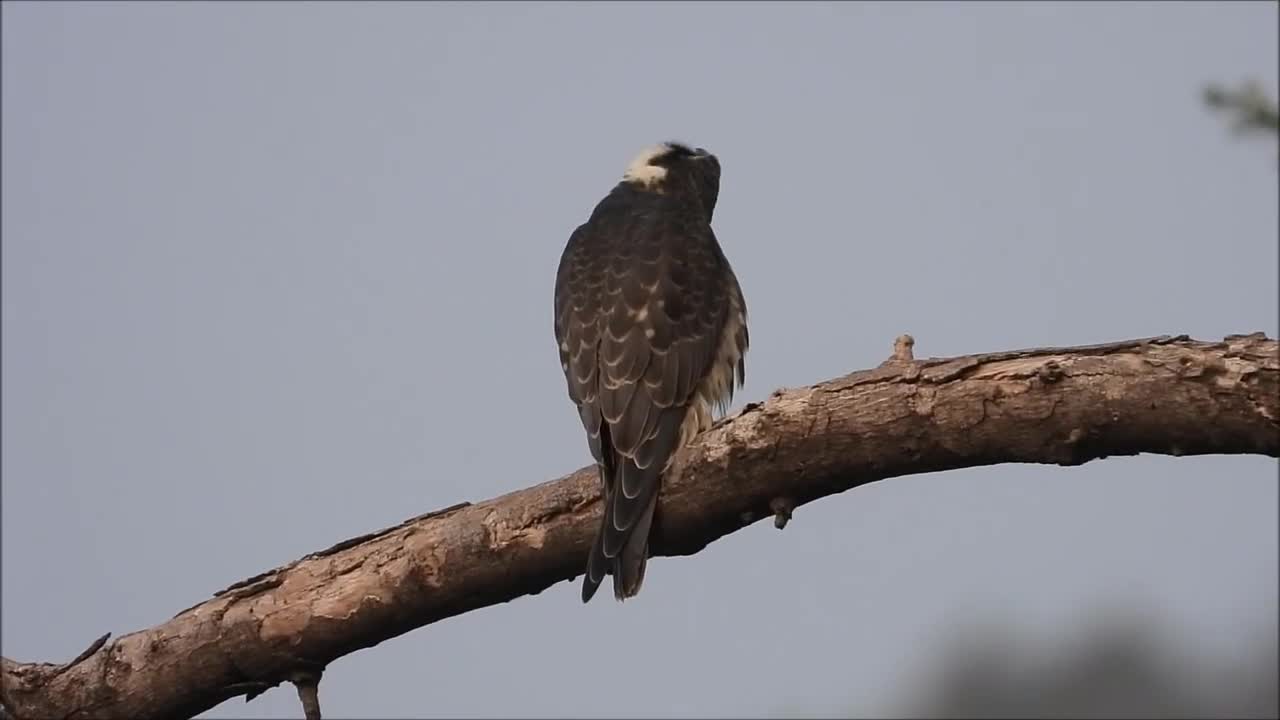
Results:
275 275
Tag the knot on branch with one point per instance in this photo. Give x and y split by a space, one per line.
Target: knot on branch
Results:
1050 372
782 508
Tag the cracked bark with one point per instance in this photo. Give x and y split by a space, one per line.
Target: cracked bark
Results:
1065 406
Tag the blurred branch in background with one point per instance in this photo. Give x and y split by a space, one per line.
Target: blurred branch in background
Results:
1119 665
1251 110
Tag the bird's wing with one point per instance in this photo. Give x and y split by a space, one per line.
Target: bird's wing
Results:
578 312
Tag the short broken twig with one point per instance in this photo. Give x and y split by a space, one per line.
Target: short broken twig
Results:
902 348
308 685
782 508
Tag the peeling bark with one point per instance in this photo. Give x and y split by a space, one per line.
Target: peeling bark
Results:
1065 406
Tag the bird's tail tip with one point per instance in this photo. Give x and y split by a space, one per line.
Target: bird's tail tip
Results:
627 580
625 585
589 588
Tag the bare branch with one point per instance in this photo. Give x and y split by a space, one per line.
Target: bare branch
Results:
1063 406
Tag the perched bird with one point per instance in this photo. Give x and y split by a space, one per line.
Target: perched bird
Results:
652 328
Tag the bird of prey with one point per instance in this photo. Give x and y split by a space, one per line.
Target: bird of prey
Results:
652 329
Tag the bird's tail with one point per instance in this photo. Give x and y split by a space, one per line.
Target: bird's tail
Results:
597 567
628 567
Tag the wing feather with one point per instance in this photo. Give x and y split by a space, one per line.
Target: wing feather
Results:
634 425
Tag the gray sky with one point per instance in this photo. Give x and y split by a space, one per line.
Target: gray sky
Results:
275 275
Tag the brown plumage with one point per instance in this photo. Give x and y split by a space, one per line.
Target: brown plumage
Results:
651 325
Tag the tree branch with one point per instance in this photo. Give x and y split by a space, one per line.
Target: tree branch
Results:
1249 106
1061 406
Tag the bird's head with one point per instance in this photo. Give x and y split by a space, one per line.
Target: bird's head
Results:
673 167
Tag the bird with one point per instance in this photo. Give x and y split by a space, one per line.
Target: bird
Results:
651 325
